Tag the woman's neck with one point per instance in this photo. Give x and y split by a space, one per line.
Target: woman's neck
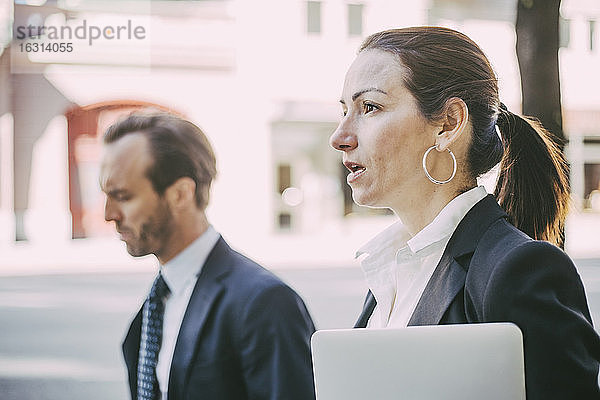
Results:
418 211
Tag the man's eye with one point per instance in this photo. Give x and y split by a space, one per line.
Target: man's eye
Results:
368 107
122 197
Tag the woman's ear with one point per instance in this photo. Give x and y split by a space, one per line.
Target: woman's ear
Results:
454 123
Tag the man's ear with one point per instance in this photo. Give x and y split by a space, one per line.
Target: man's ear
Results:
181 193
454 122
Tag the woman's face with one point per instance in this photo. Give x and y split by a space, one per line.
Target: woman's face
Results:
382 134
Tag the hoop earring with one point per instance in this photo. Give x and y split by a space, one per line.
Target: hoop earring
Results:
431 178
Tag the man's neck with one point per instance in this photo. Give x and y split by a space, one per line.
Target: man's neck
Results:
184 234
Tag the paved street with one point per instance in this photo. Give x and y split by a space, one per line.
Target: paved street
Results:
60 334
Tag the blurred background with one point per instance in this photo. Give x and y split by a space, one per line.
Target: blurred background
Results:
262 79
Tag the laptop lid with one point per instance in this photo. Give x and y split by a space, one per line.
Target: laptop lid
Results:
471 361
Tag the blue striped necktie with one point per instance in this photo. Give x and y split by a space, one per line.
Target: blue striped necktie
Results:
150 341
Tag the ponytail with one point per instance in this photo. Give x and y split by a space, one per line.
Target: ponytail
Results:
533 186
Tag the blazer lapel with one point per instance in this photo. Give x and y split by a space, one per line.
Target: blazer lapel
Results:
445 283
449 276
368 308
206 292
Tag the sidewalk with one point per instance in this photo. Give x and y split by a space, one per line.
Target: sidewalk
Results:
109 255
74 256
583 235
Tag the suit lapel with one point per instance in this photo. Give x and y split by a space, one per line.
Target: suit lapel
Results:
131 348
449 276
205 294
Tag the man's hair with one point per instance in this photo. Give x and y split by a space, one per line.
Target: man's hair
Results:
178 148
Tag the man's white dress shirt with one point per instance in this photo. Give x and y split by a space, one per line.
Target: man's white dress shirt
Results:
397 267
180 274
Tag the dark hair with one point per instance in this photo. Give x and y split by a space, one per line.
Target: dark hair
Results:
441 64
179 149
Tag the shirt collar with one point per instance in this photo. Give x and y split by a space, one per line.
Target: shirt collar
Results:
447 220
188 263
396 237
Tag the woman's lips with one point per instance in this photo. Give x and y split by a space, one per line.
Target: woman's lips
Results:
356 171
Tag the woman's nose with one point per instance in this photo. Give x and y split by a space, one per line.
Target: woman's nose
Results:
342 139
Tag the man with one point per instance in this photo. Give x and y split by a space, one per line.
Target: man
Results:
215 325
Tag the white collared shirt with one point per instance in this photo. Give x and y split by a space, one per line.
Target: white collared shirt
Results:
397 267
180 274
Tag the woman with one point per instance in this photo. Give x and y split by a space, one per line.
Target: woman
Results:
421 116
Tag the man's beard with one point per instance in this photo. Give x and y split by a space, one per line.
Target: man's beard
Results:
154 232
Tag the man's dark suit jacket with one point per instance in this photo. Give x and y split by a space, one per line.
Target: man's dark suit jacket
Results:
245 335
492 272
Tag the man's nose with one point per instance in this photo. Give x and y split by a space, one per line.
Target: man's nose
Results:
110 211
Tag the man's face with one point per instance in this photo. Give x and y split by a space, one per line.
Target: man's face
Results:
142 217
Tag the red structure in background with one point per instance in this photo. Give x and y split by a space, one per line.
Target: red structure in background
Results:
85 128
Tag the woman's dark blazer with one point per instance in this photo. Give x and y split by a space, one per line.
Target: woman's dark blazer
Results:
492 272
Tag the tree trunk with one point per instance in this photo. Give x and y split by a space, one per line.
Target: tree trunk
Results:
537 52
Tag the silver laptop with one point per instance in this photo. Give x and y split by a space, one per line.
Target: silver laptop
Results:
473 361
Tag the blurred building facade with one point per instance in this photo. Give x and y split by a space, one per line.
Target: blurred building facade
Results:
262 79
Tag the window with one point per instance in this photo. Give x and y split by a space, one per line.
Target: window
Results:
564 32
592 25
592 186
284 177
285 221
355 19
313 16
